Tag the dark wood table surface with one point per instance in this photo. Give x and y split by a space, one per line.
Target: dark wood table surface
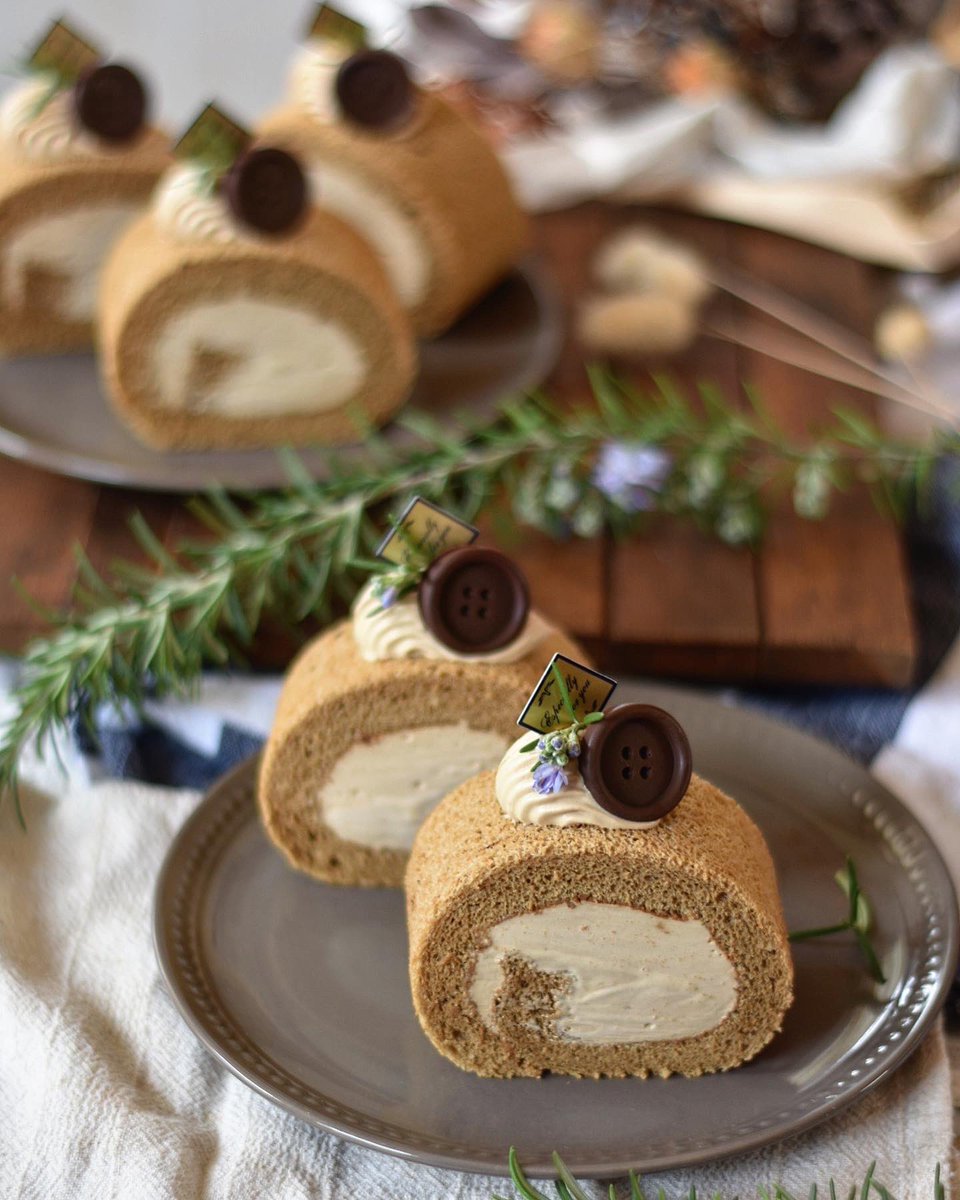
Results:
823 602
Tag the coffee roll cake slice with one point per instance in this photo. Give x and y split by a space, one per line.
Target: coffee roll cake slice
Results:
238 314
78 161
626 922
388 711
412 174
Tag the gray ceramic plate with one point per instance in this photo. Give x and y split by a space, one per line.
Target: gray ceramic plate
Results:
301 989
53 412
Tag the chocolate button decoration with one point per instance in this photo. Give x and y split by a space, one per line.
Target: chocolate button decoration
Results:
474 599
267 190
636 762
111 102
374 90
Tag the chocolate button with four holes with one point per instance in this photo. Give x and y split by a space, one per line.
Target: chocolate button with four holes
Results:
267 190
374 90
474 599
111 102
636 762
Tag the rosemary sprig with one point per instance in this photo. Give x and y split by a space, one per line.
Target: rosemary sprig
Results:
567 1187
858 920
293 554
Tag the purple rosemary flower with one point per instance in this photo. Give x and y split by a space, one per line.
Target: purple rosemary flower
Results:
388 597
549 778
630 474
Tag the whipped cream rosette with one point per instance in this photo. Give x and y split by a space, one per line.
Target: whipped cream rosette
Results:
591 907
389 710
78 160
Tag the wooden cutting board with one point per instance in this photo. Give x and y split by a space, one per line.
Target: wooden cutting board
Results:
824 602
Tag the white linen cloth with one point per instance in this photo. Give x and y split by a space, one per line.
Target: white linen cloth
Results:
106 1095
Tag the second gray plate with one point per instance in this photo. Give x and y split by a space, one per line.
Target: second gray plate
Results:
301 989
54 414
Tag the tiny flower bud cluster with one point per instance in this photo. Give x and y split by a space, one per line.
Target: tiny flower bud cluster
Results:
554 752
391 585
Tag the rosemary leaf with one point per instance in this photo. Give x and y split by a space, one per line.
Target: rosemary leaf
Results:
564 694
524 1187
857 922
574 1190
567 1187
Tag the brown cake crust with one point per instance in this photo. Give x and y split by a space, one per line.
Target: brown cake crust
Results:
32 190
332 698
324 264
472 867
444 174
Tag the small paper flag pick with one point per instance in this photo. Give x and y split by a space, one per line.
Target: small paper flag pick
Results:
422 533
557 702
328 24
214 139
64 52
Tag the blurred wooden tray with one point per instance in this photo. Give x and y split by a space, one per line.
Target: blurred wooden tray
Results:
824 602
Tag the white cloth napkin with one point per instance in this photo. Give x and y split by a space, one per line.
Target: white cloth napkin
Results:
104 1092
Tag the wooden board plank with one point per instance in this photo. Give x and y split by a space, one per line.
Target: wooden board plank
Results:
111 536
833 594
566 242
678 603
44 517
568 580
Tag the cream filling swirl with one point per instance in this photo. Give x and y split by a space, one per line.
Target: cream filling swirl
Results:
42 128
622 975
245 357
384 787
69 247
185 210
572 805
399 632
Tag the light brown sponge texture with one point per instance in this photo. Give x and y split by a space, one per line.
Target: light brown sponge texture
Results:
472 867
323 267
444 175
332 699
32 191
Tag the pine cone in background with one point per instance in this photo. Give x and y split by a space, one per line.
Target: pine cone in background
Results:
799 58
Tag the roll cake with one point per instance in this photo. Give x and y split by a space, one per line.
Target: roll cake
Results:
413 175
78 161
635 934
234 313
386 712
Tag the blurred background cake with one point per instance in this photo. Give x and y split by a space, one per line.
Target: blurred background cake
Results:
78 160
237 313
415 176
